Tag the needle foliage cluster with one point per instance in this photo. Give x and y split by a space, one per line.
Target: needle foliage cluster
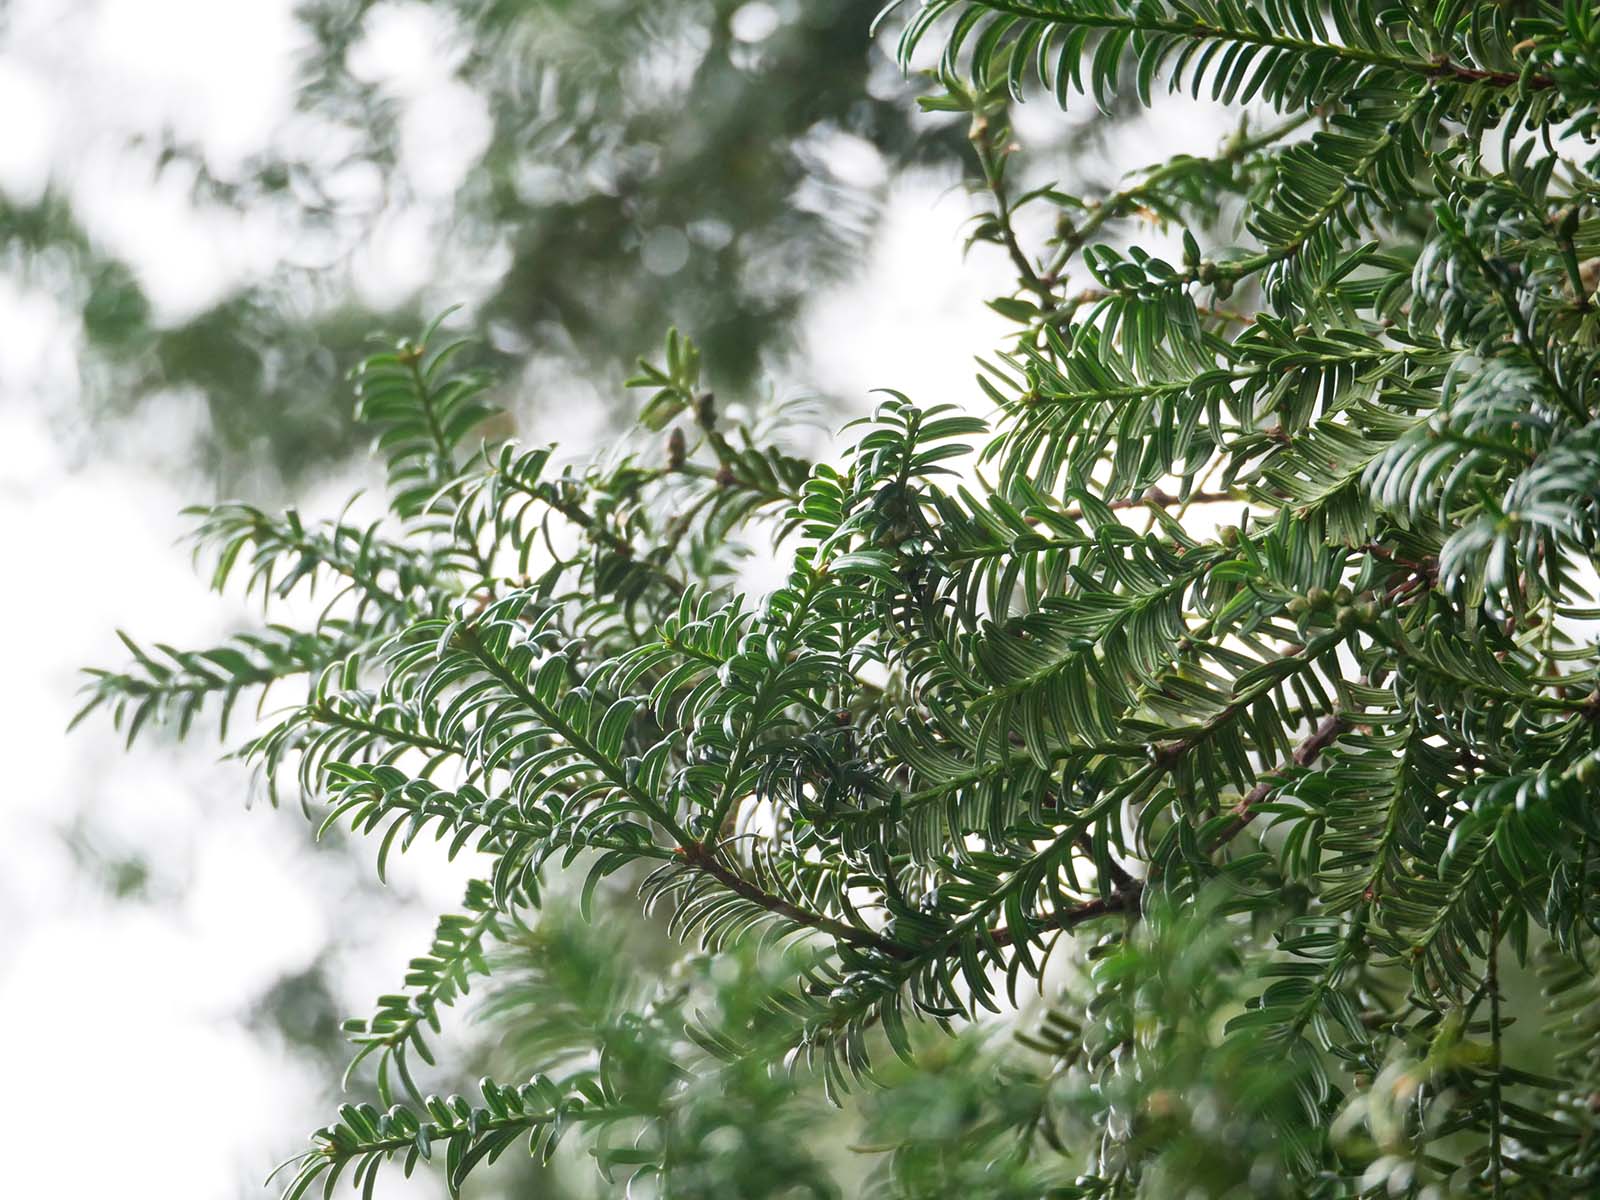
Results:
1179 780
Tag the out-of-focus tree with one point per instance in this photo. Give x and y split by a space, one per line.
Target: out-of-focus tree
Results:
624 166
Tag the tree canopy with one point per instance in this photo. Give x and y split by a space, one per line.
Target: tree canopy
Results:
1179 780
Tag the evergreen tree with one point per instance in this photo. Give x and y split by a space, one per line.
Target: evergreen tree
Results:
1225 705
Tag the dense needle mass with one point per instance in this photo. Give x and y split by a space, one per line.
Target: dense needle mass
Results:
1273 824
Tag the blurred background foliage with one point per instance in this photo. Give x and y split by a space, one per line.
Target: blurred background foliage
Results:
609 168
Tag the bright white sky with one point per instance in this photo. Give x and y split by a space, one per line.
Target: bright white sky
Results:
134 1008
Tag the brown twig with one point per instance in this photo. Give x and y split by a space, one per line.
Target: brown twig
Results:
1304 755
697 856
1119 901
